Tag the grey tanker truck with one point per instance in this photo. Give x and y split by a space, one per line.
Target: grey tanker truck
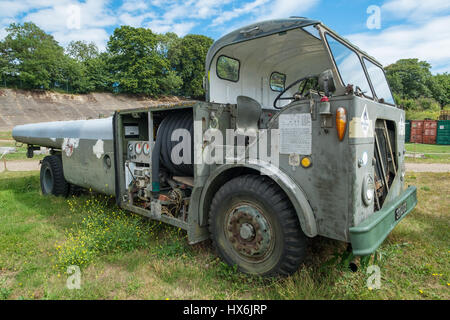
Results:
299 136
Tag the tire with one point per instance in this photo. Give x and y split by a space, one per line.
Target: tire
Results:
52 177
253 225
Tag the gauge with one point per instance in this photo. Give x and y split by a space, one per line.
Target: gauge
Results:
138 148
146 149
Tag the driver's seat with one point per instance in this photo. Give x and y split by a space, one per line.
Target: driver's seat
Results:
248 114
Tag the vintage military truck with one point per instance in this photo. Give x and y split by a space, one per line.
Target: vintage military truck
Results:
299 137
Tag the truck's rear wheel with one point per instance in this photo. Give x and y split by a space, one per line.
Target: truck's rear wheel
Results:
52 177
254 226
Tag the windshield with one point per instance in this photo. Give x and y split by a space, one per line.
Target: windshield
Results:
379 82
349 66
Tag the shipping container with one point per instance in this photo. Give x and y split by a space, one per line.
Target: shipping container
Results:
429 139
416 131
429 131
417 124
416 138
443 132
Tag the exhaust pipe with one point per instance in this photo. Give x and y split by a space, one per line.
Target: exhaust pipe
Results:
352 265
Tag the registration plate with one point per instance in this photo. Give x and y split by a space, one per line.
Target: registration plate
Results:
399 211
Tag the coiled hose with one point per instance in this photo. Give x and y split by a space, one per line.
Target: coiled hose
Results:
178 119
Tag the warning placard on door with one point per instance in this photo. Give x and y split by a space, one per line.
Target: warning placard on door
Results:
295 133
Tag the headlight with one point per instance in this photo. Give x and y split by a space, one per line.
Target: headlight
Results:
368 190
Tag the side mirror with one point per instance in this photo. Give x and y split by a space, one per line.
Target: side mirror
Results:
326 82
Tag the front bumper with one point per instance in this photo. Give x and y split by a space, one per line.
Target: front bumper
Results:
368 235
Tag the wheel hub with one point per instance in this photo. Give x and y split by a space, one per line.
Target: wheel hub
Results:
248 231
48 180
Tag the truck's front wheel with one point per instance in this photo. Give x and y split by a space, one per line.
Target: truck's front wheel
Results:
52 177
254 226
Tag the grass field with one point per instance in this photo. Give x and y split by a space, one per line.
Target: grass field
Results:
123 256
6 140
5 135
433 153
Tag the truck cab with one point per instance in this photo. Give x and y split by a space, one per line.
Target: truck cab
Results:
298 136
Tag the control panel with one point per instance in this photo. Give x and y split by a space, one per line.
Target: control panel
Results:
139 151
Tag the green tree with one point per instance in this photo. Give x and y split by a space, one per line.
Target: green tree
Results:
98 73
34 56
440 88
135 62
410 78
82 51
187 57
172 83
167 42
89 67
5 66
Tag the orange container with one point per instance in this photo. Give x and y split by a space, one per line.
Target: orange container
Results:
416 131
430 124
429 139
416 124
429 131
416 138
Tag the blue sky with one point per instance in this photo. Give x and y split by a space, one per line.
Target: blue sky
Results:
406 28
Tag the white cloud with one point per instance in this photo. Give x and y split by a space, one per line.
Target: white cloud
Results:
192 9
97 35
10 8
134 5
414 10
161 26
429 41
246 9
266 10
92 13
135 20
66 20
286 8
181 16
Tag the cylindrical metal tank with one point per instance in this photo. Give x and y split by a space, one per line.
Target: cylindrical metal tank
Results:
87 149
52 134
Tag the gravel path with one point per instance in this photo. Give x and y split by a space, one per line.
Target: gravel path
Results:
21 165
428 167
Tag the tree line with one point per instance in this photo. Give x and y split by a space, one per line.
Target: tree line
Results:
136 61
139 61
417 90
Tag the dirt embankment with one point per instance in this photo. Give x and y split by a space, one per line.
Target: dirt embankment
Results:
21 106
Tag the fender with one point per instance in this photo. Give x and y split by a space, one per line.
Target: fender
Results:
295 194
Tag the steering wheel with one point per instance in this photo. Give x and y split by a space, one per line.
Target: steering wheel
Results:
279 97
